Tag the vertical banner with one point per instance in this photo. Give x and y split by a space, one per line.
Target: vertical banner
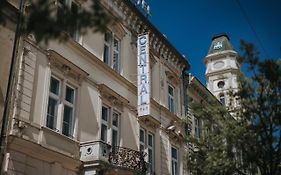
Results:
143 76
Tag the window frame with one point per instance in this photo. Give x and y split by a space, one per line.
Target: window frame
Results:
197 128
114 128
147 147
57 99
61 103
174 169
110 126
75 35
105 123
152 148
142 143
222 98
69 104
111 51
171 98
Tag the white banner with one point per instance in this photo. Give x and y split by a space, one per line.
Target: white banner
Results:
143 76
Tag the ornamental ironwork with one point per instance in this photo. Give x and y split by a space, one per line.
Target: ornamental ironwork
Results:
128 158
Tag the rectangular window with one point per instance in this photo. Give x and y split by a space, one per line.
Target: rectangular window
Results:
142 140
111 52
197 128
115 128
65 6
106 51
110 123
61 107
174 158
115 61
147 141
104 123
151 158
68 110
171 98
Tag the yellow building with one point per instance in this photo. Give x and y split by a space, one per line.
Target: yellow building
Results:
75 104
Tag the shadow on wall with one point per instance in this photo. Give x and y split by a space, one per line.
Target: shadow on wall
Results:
129 131
88 113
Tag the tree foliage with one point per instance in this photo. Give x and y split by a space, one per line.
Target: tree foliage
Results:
46 20
249 142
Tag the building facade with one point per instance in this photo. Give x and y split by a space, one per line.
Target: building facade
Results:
75 104
7 37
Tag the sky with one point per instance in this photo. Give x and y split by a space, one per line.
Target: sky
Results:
190 25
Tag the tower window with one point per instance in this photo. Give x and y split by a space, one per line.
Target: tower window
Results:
221 84
222 98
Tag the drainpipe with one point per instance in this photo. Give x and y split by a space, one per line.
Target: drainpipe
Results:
4 127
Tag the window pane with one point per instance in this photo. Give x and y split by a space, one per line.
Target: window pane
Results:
54 86
176 168
171 104
114 138
61 8
173 167
174 153
107 37
141 136
69 94
115 119
61 1
104 133
74 8
74 12
141 147
52 113
104 114
222 99
106 54
115 65
67 121
116 45
150 160
150 140
171 91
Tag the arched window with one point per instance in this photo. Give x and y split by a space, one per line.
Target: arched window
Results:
222 98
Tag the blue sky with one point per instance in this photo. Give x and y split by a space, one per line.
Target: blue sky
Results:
190 24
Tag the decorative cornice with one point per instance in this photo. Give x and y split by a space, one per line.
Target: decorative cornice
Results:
113 97
150 121
232 70
219 55
66 66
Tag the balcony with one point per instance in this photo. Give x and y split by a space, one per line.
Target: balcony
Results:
99 155
127 158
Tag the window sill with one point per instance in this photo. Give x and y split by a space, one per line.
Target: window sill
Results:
56 132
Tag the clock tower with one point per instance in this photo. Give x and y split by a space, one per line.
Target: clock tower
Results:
222 69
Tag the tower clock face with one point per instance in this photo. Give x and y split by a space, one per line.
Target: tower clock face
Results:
218 64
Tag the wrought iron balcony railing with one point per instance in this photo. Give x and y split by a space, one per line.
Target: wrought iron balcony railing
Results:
128 158
116 157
